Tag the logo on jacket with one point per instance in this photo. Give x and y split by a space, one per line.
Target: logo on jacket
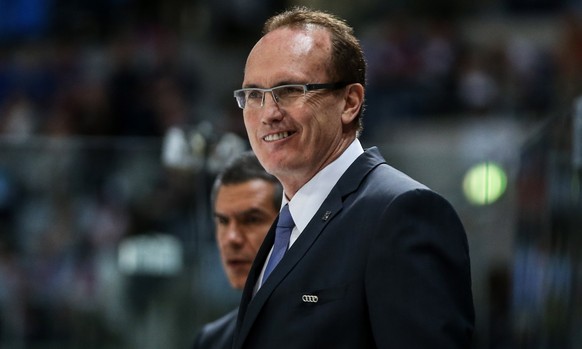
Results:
309 298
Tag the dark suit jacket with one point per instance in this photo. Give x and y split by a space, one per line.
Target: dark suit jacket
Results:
217 334
387 260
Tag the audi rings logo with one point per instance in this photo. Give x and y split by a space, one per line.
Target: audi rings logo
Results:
309 298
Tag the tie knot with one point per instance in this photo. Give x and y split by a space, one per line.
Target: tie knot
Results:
285 219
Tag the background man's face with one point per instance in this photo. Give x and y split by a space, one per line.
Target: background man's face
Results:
243 214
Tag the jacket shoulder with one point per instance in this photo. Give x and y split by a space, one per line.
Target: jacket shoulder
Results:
217 334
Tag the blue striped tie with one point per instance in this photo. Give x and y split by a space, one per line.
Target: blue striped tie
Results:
283 230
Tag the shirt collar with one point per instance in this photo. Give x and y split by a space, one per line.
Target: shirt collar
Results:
311 195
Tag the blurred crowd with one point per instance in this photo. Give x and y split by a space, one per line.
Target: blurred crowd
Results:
140 79
130 86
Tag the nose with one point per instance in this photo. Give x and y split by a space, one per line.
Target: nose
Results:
270 109
234 235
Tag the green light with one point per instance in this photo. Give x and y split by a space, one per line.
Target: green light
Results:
484 183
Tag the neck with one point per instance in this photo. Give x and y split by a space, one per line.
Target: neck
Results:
292 181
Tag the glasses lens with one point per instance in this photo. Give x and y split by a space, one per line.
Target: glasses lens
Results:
284 95
240 98
249 98
254 98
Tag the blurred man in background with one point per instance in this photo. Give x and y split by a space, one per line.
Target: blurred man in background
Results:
245 200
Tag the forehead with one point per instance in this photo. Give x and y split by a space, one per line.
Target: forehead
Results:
288 54
254 193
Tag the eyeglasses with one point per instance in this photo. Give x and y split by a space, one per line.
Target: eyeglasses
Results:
284 95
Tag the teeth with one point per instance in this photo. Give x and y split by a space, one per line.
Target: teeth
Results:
276 136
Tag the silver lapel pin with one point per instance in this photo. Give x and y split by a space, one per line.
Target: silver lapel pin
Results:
326 216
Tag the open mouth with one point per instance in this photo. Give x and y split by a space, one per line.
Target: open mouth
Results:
277 136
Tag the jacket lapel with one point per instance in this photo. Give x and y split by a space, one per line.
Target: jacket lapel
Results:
251 306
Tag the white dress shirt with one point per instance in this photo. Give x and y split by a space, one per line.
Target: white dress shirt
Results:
311 195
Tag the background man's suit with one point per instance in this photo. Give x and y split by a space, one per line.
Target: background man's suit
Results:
388 261
217 334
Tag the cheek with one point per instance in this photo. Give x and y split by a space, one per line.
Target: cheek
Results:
222 252
246 122
220 238
256 240
320 128
251 127
225 247
322 116
250 121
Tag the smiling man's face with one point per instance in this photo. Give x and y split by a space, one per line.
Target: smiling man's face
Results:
294 142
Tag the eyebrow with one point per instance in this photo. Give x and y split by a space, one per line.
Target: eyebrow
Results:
250 211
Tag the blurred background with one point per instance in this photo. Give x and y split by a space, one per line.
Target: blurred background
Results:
115 115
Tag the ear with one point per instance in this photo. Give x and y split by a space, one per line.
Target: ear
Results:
354 99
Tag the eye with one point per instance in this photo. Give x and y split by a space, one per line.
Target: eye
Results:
221 220
250 220
289 91
253 219
254 94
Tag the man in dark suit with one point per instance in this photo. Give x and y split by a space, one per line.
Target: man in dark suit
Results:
245 200
370 257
